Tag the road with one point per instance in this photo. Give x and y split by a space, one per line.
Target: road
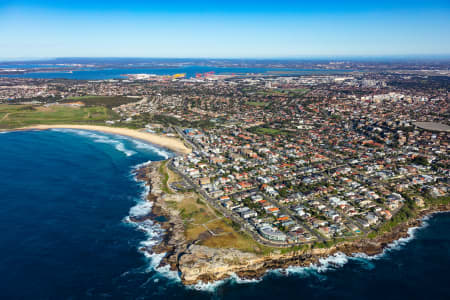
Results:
193 145
235 218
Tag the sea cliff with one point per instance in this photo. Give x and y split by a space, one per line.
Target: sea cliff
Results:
196 263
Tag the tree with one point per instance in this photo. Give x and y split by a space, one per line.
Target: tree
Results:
421 160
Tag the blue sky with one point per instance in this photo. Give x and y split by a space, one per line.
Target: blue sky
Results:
281 29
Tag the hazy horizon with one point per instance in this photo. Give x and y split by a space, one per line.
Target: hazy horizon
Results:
233 29
419 57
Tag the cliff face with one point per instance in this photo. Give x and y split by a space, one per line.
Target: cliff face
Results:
209 264
200 263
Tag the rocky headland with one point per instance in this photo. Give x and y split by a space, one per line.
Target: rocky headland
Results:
196 263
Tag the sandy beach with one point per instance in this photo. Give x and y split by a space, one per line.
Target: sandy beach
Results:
167 142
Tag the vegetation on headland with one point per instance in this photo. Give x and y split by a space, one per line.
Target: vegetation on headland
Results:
409 211
16 116
206 226
165 178
203 224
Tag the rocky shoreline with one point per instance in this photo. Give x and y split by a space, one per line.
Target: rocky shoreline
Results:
197 263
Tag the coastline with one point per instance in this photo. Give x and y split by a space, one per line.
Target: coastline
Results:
203 265
166 142
196 267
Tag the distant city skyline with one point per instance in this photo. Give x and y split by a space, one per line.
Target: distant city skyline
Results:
233 29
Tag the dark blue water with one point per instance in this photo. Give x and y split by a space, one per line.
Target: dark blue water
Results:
64 196
117 73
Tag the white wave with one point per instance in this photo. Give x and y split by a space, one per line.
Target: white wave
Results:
365 259
208 286
145 191
121 147
141 209
155 259
99 138
212 286
236 279
325 264
153 232
138 166
146 146
292 270
163 271
397 244
334 261
166 272
363 262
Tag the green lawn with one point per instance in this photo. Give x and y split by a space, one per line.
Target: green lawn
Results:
107 101
14 116
284 92
270 131
254 103
165 177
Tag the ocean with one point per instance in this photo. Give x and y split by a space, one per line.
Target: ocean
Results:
65 196
117 73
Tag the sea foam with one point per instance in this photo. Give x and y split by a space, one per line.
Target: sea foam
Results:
117 142
152 230
100 138
395 245
212 286
146 146
325 264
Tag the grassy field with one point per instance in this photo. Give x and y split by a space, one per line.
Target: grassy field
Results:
107 101
14 116
207 226
254 103
228 237
212 229
284 92
165 178
269 131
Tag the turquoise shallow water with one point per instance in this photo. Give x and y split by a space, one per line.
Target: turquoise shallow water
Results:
64 201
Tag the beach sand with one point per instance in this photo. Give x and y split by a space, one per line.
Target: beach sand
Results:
167 142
